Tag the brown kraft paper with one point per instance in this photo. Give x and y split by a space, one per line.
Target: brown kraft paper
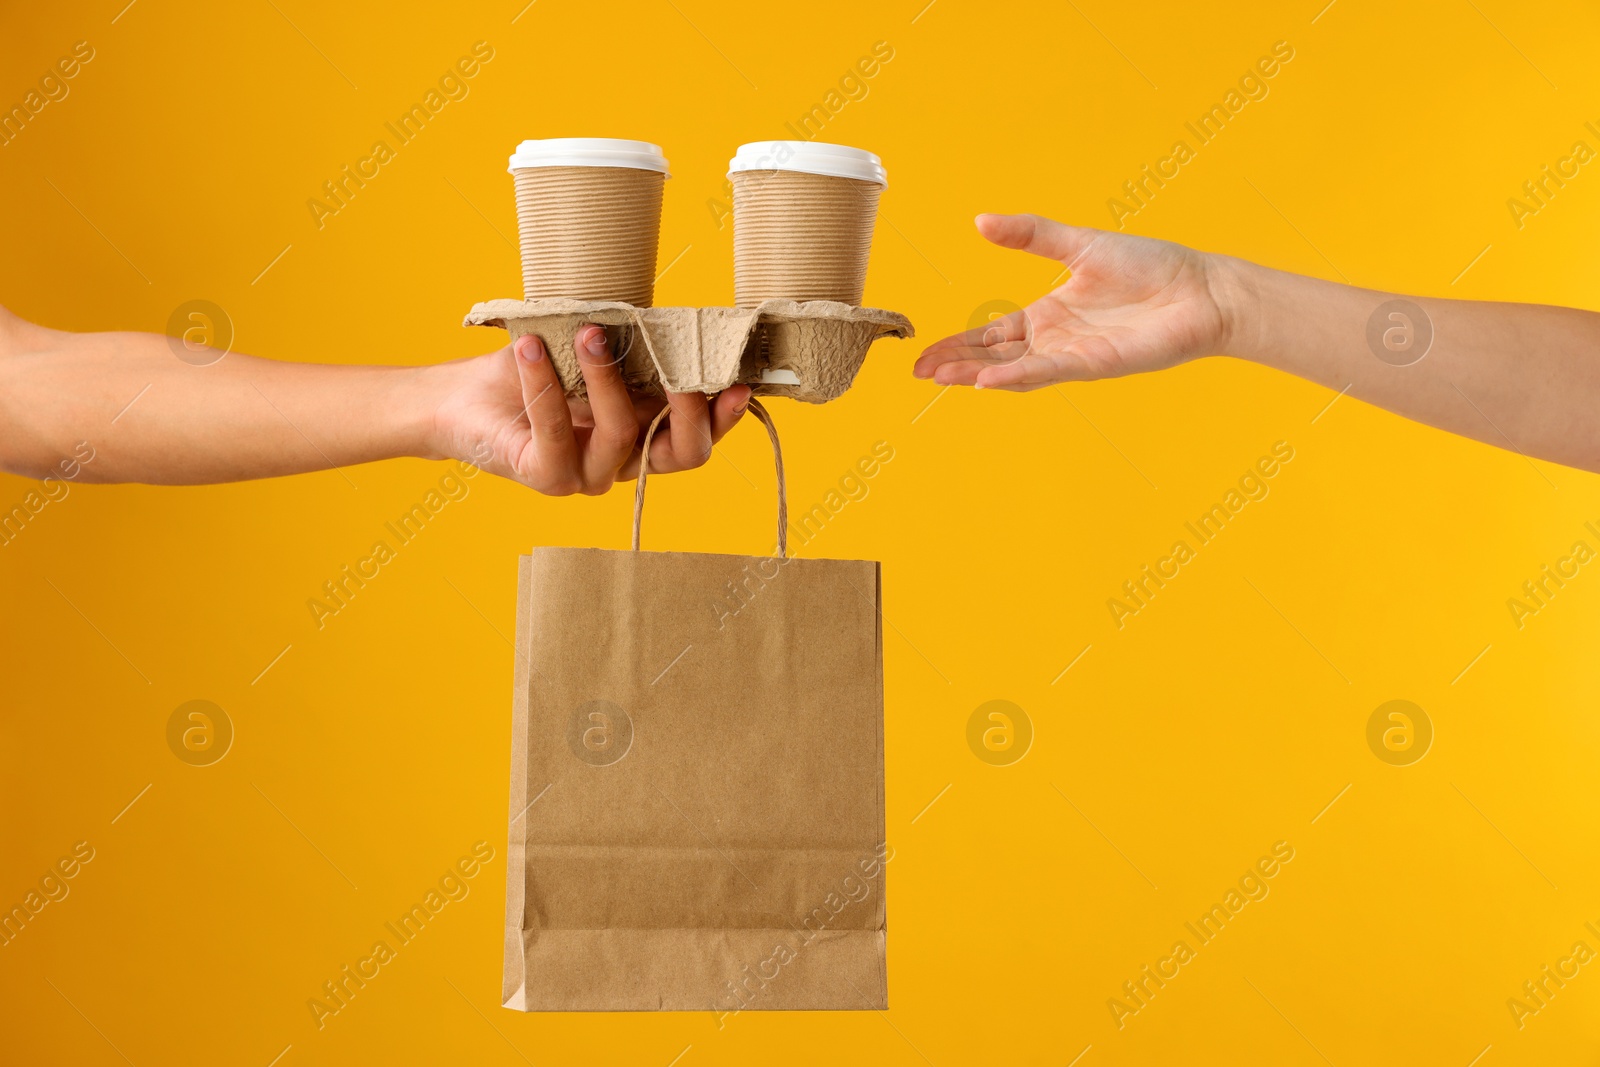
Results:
697 807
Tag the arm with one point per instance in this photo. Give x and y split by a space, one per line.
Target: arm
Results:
152 417
1518 376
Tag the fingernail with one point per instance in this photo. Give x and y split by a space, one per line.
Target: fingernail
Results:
529 349
596 344
919 372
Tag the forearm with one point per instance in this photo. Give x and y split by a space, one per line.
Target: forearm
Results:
151 417
1519 376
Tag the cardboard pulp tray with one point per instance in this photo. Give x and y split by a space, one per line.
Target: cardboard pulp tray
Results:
809 351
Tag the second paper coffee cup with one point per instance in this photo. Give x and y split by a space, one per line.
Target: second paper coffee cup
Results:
802 221
589 217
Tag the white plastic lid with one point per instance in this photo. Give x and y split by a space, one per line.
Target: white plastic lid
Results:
589 152
809 157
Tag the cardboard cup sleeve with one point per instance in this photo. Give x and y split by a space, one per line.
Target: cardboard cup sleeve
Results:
801 236
589 232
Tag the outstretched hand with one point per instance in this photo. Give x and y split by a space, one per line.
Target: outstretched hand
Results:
1132 304
509 416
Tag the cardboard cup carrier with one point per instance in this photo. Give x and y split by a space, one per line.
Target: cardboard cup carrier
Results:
589 217
802 221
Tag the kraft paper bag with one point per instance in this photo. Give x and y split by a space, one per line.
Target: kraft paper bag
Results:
697 811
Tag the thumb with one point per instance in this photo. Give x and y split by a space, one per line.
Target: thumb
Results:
1036 234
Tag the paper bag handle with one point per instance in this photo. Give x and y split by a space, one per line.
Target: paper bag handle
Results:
777 458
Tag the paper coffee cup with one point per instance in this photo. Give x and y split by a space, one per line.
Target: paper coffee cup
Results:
589 217
802 221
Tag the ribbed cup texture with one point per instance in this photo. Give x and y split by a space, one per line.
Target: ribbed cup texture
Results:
589 233
801 236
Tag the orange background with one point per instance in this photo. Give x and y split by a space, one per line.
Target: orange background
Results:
1226 716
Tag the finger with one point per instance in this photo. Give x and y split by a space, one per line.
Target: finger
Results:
1010 327
1005 338
582 416
996 355
689 427
1034 371
958 372
645 407
687 442
1025 372
555 452
1039 235
1030 372
728 409
615 429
